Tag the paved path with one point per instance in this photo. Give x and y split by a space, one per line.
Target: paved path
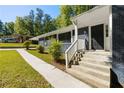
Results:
57 78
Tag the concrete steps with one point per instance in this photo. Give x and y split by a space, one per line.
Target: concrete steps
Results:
95 72
96 56
94 69
95 61
100 53
89 79
96 66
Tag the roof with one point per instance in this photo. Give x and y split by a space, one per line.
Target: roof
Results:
97 7
59 31
71 27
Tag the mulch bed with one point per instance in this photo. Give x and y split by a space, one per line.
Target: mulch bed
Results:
60 64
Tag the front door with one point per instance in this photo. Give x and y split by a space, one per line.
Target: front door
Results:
97 37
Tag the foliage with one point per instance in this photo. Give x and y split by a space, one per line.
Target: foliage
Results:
39 23
29 23
40 49
1 28
9 28
27 44
68 11
55 50
19 26
48 24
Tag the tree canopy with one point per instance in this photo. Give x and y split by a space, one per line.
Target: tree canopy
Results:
39 23
68 11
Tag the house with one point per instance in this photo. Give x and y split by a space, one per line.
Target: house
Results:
94 22
90 32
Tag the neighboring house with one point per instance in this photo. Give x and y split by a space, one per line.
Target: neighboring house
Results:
91 33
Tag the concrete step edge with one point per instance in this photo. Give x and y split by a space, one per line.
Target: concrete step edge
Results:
89 79
97 73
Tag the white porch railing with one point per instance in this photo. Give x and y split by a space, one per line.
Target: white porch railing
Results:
74 47
64 46
69 53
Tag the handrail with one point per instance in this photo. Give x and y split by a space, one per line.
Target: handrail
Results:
70 52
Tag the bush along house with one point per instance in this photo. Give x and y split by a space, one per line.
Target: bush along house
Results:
87 45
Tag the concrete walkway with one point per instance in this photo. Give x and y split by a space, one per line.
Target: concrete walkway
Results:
57 78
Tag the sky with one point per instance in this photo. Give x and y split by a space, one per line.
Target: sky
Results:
8 13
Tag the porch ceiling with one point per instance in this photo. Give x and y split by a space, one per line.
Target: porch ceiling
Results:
95 16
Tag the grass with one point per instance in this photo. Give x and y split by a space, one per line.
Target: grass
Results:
14 45
48 58
44 56
16 73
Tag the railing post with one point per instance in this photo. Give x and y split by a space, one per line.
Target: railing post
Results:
66 59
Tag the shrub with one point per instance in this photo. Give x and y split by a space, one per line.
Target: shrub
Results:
54 50
27 44
40 49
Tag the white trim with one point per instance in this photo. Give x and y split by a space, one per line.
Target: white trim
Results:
89 33
104 35
72 36
110 27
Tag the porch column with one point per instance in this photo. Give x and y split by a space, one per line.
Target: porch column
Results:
57 37
89 31
105 43
110 29
71 36
76 30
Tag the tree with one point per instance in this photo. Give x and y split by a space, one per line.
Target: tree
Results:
20 28
65 15
9 28
68 11
1 28
30 23
38 27
48 23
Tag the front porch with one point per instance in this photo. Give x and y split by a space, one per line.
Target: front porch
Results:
92 68
90 59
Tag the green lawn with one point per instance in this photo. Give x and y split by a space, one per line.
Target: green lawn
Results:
48 58
44 56
16 73
3 45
